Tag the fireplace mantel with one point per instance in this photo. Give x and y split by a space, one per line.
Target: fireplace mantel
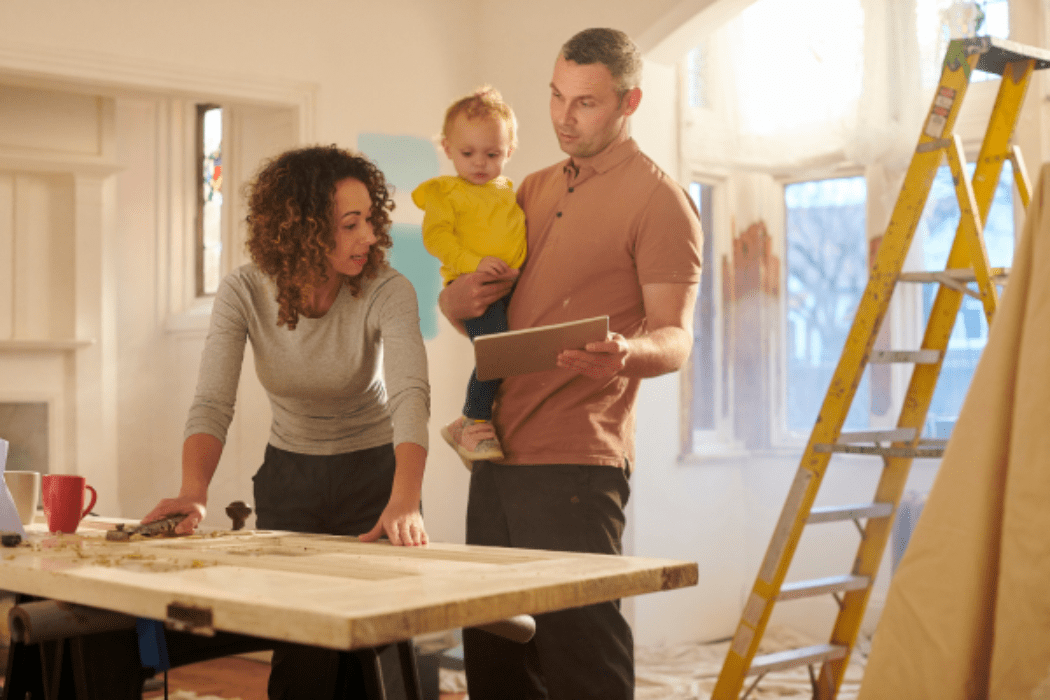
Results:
60 345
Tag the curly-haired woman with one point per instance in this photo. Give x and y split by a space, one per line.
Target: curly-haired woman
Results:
335 335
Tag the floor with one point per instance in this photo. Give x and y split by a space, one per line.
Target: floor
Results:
689 671
679 672
228 678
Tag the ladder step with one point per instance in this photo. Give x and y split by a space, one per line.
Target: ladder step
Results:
931 452
831 514
820 586
891 435
955 279
960 275
996 53
919 357
794 658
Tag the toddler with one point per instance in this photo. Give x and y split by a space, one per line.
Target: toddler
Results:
472 223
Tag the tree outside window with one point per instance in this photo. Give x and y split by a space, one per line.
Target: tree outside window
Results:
826 275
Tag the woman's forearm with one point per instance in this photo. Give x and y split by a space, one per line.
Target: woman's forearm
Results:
200 458
408 474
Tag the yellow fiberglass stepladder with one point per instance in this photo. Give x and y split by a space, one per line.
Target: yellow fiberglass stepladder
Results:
967 263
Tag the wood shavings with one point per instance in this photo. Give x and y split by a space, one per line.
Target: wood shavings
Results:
89 551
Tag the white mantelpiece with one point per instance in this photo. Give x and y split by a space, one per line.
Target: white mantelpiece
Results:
57 301
43 345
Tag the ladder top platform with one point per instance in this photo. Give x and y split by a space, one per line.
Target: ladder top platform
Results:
996 53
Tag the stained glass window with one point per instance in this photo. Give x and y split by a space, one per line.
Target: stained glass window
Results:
209 202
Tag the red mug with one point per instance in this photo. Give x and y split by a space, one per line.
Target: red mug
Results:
63 496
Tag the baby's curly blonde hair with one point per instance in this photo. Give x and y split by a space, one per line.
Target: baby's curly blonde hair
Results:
483 103
291 221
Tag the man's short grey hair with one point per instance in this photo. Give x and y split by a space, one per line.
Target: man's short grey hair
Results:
613 49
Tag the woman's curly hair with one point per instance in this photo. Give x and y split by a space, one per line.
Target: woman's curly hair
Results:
291 221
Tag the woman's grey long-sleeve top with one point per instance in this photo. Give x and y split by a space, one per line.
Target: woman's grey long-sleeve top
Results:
352 379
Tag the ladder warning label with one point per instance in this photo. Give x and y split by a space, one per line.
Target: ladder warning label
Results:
942 105
753 610
742 640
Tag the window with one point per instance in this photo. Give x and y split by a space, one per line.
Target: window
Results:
209 199
996 19
797 65
703 363
216 151
826 275
940 21
970 334
696 77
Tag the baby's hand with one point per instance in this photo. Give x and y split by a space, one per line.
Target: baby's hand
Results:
493 266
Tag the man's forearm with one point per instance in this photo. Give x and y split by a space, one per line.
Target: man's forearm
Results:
470 294
658 352
444 304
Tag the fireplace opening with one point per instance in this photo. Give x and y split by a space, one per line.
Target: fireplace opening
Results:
25 427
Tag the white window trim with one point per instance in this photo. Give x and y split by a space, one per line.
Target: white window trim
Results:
187 312
710 447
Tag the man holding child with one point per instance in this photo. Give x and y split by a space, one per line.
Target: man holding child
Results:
609 233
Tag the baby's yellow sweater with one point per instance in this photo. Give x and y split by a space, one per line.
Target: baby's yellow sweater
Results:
464 223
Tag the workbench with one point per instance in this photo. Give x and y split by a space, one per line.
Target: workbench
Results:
320 590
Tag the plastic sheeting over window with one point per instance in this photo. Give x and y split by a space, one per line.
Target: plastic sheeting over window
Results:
790 84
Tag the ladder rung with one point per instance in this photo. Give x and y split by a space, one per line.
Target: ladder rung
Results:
891 435
959 275
919 357
793 658
831 514
820 586
920 452
958 282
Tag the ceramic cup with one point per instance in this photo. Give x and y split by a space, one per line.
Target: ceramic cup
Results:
25 491
64 501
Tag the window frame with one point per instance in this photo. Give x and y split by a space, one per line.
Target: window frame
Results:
782 434
188 310
251 133
904 319
718 441
199 248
